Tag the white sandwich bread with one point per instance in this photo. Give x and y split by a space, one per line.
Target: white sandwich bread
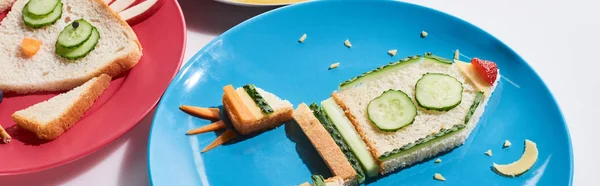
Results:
114 51
51 118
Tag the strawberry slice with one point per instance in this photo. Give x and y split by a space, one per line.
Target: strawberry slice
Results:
486 69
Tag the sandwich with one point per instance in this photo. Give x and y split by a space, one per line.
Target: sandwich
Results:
398 114
51 118
54 45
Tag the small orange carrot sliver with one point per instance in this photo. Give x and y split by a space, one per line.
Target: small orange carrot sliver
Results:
239 108
223 138
30 46
207 128
204 113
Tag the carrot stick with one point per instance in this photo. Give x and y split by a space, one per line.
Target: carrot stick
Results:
4 135
204 113
207 128
223 138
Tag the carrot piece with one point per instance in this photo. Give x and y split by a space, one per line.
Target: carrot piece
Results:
207 128
4 135
30 46
238 105
223 138
204 113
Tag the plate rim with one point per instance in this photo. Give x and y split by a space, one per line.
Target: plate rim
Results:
118 134
412 5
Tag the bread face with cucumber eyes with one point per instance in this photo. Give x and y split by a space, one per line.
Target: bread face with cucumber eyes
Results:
73 41
416 108
252 109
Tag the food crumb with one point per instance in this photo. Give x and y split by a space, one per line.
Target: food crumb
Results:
507 144
335 65
488 152
301 40
347 43
423 34
456 54
438 160
439 177
392 52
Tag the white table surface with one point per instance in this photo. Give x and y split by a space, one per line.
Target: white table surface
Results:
553 36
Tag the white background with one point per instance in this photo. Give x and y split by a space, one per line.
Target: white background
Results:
558 38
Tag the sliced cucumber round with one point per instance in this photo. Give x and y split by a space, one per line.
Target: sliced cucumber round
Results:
38 22
41 7
392 110
81 51
436 91
75 34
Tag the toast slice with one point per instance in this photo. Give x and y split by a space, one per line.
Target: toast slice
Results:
117 50
431 132
252 109
325 144
51 118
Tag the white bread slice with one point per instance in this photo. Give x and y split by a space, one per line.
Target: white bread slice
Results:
283 111
355 100
49 119
325 145
117 51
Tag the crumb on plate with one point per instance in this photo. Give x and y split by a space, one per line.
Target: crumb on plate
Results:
335 65
347 43
392 52
301 40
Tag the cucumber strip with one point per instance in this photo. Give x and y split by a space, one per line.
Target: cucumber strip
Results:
438 136
436 91
38 22
337 137
71 37
41 7
258 99
352 138
81 51
318 180
429 57
392 110
380 71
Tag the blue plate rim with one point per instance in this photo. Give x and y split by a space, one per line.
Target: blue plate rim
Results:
307 3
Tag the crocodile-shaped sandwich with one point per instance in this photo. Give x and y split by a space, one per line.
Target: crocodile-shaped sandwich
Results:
398 114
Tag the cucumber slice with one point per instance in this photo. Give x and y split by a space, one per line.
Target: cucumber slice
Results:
81 51
392 110
430 58
346 129
258 99
379 72
38 22
436 91
41 7
71 37
318 180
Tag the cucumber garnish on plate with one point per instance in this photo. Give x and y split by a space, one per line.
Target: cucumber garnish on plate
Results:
436 91
75 34
392 110
41 7
34 21
81 51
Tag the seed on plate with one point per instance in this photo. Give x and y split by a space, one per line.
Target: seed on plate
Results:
456 54
392 52
438 160
488 152
335 65
423 34
348 44
301 40
439 177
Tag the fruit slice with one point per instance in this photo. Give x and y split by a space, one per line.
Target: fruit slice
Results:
81 51
120 5
137 10
38 22
486 69
520 166
75 34
41 7
441 92
392 110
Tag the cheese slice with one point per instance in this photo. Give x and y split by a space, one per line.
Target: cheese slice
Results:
249 102
468 70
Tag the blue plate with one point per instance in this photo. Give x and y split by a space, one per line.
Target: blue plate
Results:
265 51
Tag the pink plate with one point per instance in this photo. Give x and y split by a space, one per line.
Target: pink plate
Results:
127 100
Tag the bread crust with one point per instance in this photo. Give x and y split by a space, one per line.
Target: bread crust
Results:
66 120
324 143
269 121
